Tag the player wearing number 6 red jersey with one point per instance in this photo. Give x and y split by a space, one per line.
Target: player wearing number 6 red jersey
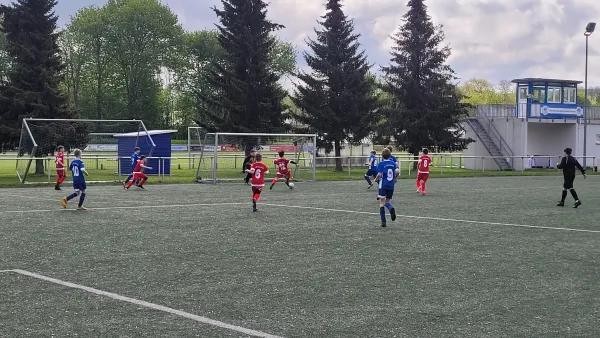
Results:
423 173
138 175
258 171
283 170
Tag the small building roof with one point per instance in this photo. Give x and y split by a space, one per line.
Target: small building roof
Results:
143 133
536 79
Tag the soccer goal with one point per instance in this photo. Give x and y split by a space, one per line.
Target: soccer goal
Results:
41 137
222 155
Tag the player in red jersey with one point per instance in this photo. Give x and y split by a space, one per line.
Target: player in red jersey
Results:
258 171
138 174
60 167
283 169
423 173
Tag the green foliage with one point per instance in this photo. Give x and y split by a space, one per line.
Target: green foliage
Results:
245 95
337 101
425 108
480 91
32 89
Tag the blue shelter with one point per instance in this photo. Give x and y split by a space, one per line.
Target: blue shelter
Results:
153 144
547 98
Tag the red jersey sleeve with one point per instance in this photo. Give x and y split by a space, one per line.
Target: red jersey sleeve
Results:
424 164
138 166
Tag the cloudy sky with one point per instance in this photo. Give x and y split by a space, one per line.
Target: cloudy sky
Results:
492 39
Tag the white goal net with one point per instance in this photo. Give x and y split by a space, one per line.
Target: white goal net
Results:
106 145
220 156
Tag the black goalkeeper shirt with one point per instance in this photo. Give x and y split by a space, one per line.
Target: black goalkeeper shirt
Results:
568 164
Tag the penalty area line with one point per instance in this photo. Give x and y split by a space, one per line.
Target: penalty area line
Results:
147 206
436 218
153 306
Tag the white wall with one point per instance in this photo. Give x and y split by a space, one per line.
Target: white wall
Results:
550 139
593 143
477 149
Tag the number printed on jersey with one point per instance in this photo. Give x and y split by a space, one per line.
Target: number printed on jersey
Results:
390 175
425 163
257 173
76 171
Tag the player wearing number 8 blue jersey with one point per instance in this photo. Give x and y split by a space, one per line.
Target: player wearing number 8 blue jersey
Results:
387 172
78 170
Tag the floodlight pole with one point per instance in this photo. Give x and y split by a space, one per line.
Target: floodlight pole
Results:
589 29
585 117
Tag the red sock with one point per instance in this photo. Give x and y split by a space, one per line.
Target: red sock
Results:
423 187
60 180
129 184
143 181
256 197
274 181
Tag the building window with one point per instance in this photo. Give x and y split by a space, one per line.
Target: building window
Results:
522 93
570 95
538 95
554 94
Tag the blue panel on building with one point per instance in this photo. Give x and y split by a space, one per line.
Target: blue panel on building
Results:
162 141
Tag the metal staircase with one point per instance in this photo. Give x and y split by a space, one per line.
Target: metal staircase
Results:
492 140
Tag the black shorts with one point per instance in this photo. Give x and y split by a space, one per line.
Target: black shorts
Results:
568 184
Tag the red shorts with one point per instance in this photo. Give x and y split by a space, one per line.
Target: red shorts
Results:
139 176
287 174
61 173
422 177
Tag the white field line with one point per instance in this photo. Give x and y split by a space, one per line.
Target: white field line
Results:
435 218
153 306
147 206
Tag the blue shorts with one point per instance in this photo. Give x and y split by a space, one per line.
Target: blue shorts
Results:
386 193
371 172
79 186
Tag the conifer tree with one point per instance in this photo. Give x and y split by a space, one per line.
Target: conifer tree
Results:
336 100
32 89
425 109
247 96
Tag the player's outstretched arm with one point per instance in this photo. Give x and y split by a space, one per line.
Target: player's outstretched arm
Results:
250 171
580 168
562 163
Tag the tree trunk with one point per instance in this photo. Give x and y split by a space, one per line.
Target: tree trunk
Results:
338 155
416 158
39 167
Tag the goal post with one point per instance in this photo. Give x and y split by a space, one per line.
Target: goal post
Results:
222 155
97 138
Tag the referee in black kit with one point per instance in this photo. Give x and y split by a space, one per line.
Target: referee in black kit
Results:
568 165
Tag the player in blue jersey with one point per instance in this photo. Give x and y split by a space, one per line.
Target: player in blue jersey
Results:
135 157
387 173
372 171
78 170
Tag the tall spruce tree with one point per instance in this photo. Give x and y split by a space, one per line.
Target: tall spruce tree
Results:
247 97
425 108
337 101
32 89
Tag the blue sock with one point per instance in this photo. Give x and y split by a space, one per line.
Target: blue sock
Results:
81 198
382 214
368 179
72 196
389 206
128 178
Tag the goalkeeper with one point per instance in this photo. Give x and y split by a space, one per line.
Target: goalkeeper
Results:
246 166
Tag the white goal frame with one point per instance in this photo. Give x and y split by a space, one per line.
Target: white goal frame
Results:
32 155
214 153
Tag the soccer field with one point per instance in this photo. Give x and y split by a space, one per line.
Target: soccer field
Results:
476 257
